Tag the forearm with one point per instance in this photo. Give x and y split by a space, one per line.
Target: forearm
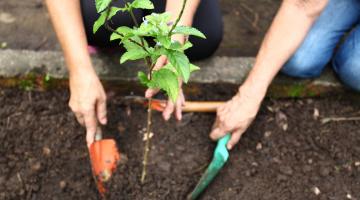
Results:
68 25
174 7
289 28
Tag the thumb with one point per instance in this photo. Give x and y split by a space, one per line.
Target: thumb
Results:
161 61
151 92
235 137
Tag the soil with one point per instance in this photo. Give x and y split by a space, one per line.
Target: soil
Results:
285 154
245 23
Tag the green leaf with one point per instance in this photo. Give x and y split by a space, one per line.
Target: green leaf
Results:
175 45
164 41
101 20
194 68
142 4
180 62
187 45
143 78
133 54
166 80
186 30
101 5
124 30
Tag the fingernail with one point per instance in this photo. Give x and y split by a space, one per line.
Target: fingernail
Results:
104 121
229 146
166 117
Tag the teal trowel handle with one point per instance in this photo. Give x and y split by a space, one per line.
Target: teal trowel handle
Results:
221 155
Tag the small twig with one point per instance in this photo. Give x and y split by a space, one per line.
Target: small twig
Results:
253 22
199 169
7 122
339 119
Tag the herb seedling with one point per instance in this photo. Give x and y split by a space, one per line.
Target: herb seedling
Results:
157 29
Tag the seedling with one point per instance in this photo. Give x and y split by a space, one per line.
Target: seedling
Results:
149 40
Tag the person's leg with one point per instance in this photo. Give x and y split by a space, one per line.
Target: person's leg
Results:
319 45
208 19
346 62
102 36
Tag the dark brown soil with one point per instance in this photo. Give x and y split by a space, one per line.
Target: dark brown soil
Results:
43 153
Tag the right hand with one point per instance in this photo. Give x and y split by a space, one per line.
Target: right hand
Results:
236 115
88 102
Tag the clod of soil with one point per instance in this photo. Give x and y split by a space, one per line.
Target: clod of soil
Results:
43 154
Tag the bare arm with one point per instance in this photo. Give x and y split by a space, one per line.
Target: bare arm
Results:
88 99
289 28
68 25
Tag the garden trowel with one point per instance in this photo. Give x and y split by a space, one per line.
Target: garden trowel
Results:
104 158
221 155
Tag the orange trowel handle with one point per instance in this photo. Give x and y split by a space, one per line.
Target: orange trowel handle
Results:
190 106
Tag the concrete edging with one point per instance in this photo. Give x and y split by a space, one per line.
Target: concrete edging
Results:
225 70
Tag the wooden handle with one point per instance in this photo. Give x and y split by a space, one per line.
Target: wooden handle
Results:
201 106
190 106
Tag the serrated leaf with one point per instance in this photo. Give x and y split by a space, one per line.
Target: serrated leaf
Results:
166 80
101 20
142 4
163 41
175 45
187 45
180 62
124 30
186 30
194 68
101 5
143 78
133 54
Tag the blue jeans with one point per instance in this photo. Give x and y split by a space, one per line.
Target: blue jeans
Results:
324 43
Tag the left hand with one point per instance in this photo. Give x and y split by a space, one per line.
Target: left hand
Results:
171 107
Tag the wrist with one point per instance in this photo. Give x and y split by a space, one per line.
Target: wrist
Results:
82 71
255 91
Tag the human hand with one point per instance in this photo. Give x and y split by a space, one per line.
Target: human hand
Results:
171 106
88 102
236 115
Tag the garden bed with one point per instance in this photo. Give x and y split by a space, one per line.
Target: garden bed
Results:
43 154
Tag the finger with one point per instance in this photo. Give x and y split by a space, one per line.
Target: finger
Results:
151 92
235 137
217 133
80 118
161 61
90 123
178 109
179 104
101 111
169 109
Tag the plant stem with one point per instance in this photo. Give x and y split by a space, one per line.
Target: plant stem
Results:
179 17
149 113
147 143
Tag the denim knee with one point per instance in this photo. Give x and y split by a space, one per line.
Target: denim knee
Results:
348 70
303 66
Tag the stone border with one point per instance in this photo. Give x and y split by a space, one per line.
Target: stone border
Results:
224 70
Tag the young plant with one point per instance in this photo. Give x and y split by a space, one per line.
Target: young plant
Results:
149 40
